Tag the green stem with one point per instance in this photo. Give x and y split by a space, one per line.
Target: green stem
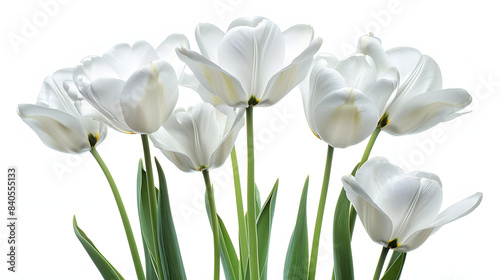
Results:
369 146
239 208
353 214
252 226
381 262
123 213
153 203
215 223
319 216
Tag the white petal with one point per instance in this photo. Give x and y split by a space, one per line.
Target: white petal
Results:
458 210
381 91
322 81
177 139
58 130
104 95
214 79
357 72
208 37
191 82
297 39
92 69
374 173
372 46
426 110
377 224
253 55
54 92
412 203
345 117
451 214
289 77
425 77
127 59
149 96
166 51
208 132
244 21
233 125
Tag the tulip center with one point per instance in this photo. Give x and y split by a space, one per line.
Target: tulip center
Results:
393 244
93 139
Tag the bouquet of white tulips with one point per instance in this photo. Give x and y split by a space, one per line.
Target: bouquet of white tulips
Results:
134 89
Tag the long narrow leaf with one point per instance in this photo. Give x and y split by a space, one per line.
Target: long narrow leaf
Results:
297 256
146 222
168 246
264 223
342 255
229 258
107 270
394 270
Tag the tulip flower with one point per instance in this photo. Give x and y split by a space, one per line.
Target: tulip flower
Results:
200 138
401 210
57 121
342 100
420 102
252 64
133 89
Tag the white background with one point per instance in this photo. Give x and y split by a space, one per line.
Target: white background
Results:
461 37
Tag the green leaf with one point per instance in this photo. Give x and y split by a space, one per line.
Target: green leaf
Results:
229 258
107 270
297 256
342 255
147 226
395 267
264 223
170 254
150 270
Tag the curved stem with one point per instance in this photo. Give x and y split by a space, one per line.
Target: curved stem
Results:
153 203
239 208
215 223
252 226
319 216
369 146
381 262
123 213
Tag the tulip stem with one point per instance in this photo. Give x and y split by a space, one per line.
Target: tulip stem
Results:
239 208
215 222
353 214
319 216
369 146
252 226
123 213
153 203
381 262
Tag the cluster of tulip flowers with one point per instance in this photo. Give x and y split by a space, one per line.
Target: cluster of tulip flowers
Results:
134 89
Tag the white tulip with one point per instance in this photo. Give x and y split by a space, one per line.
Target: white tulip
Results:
200 138
342 99
133 89
252 64
57 121
401 210
420 102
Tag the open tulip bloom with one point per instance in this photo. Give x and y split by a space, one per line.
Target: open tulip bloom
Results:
56 119
401 210
253 63
134 89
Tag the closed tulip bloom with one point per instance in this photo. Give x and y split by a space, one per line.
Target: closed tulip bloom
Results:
254 63
343 100
420 102
401 210
200 138
56 120
134 88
